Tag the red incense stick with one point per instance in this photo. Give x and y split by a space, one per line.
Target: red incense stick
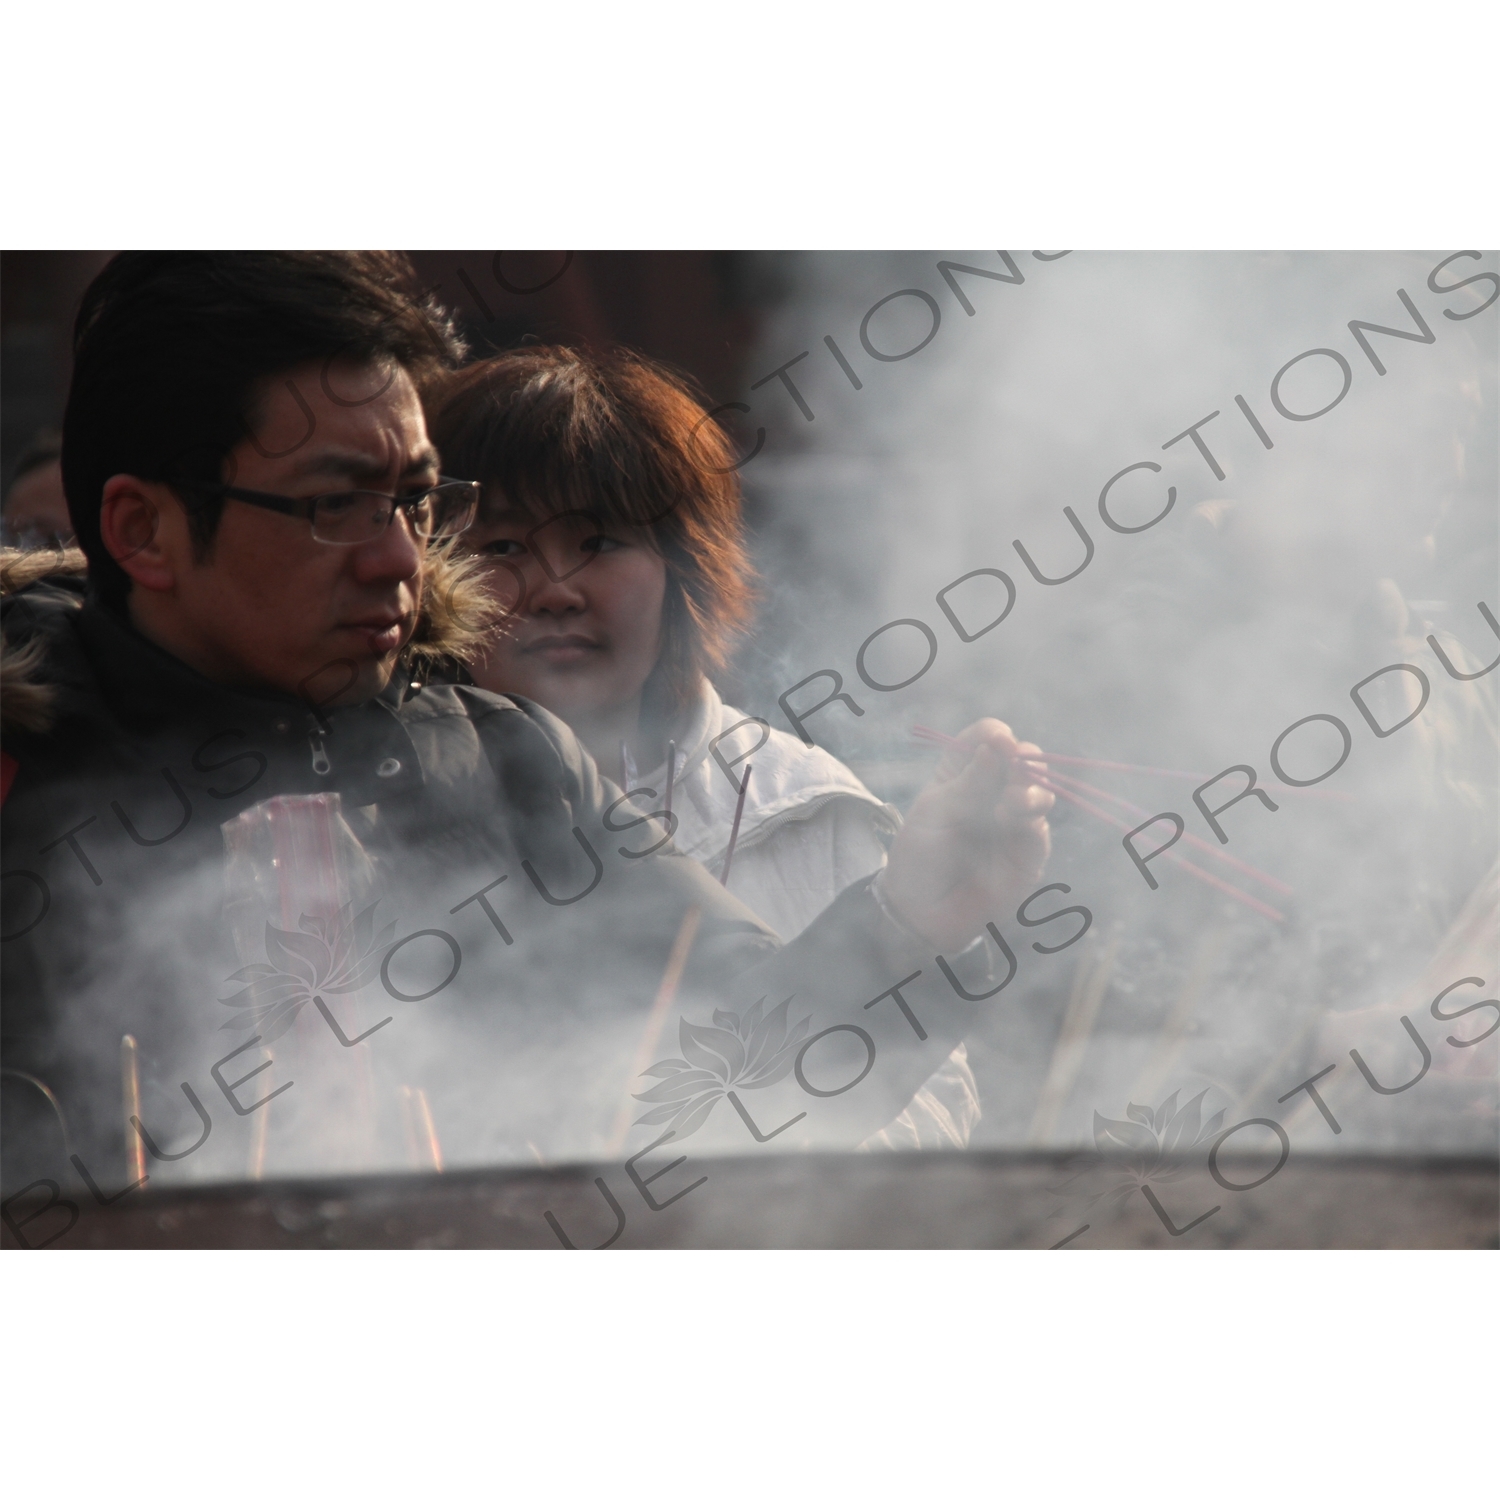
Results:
937 738
1192 869
1198 776
1093 791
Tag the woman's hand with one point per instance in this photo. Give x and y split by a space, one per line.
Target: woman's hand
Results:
975 841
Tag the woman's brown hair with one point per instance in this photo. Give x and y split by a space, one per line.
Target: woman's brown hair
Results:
551 430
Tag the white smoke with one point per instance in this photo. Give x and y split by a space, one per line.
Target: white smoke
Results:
1260 599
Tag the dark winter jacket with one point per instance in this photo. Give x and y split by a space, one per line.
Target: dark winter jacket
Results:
519 946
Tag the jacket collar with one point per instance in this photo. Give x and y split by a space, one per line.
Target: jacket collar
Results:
148 691
791 780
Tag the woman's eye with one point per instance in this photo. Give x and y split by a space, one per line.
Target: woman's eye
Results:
600 544
502 547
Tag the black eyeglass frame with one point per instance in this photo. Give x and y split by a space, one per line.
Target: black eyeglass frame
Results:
307 509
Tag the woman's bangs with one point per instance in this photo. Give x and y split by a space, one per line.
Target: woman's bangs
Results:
545 485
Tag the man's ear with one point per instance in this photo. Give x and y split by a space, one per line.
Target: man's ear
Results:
131 528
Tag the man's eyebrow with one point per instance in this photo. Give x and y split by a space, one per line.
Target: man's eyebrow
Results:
422 460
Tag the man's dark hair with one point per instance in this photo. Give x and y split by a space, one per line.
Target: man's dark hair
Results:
169 347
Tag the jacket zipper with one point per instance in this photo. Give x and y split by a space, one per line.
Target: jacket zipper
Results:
320 763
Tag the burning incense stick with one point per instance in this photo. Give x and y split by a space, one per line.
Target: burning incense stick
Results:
260 1132
429 1130
671 977
734 832
1096 967
666 805
130 1088
422 1147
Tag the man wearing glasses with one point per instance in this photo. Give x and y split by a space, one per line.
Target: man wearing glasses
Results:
250 479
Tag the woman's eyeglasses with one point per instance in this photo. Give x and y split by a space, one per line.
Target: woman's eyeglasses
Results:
354 516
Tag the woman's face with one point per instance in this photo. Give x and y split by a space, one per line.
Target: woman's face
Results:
585 605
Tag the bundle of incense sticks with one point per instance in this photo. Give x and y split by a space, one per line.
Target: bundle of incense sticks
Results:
1049 758
1082 795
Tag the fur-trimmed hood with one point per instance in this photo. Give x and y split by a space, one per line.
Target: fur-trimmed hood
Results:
26 701
457 612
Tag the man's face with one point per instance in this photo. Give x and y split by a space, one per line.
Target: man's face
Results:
271 607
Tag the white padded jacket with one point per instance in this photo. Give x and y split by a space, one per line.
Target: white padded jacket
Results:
809 829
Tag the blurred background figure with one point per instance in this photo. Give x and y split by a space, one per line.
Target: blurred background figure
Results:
36 510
